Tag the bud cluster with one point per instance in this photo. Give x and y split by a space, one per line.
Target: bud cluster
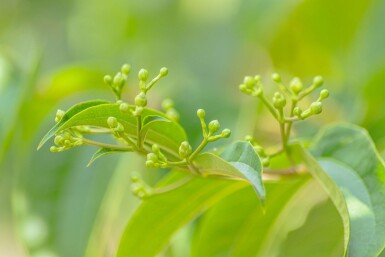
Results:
66 140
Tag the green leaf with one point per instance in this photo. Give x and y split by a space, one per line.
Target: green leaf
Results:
160 216
239 161
67 116
167 136
102 152
257 231
330 187
349 157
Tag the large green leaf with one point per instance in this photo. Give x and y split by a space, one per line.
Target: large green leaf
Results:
257 231
160 216
168 136
238 161
348 157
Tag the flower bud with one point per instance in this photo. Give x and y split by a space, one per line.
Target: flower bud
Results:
297 111
276 77
59 115
318 81
316 107
167 104
163 72
173 115
185 150
112 122
54 149
155 148
296 85
265 162
124 107
58 140
152 157
324 94
257 78
201 113
119 80
249 82
279 100
214 126
143 75
126 68
108 80
243 88
226 133
149 164
141 99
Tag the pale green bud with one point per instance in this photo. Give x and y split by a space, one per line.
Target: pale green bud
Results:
226 133
108 80
185 150
257 78
296 85
167 104
266 162
297 111
201 113
316 107
324 94
141 99
149 164
124 107
214 126
59 115
276 77
249 82
279 100
318 81
126 68
163 72
138 111
119 80
54 149
143 75
59 140
155 148
152 157
112 122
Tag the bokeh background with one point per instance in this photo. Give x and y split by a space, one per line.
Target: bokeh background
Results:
55 53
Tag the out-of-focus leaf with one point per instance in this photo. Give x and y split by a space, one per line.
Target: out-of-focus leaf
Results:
238 161
167 137
160 216
349 158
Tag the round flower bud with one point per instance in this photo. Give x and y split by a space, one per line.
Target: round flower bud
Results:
324 94
296 85
58 140
143 75
257 78
119 79
201 113
316 107
59 115
185 150
243 88
167 104
108 80
297 111
149 164
135 178
279 100
138 111
249 82
173 115
318 81
112 122
152 157
249 138
126 68
226 133
155 148
54 149
276 77
163 72
124 107
214 126
141 99
265 162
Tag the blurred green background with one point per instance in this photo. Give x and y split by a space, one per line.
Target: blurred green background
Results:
55 53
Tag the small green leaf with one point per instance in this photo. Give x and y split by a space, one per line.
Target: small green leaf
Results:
238 161
69 114
160 216
351 164
102 152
